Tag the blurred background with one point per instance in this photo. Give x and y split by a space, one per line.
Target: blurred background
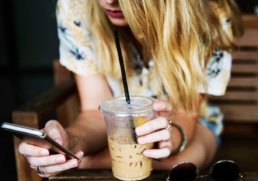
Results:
28 46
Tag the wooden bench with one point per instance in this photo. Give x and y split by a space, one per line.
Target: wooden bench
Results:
240 103
240 106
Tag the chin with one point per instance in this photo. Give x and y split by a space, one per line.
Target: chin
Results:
118 22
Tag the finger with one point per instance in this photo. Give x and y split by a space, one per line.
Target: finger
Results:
45 175
46 160
53 130
161 135
160 105
157 153
54 169
151 126
42 173
32 150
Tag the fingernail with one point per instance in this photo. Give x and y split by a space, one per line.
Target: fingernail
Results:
73 163
44 152
60 159
80 154
146 153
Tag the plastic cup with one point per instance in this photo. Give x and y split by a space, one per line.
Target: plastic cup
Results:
128 161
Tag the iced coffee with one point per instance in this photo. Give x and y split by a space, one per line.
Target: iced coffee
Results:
128 161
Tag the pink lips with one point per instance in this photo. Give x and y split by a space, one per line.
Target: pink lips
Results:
115 13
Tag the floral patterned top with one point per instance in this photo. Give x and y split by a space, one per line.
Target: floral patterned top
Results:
77 54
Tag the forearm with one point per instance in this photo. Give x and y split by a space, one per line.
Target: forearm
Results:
200 151
188 123
87 133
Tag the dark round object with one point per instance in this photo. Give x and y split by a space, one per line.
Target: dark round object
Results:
183 172
225 170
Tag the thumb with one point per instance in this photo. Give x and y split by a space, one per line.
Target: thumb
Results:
52 128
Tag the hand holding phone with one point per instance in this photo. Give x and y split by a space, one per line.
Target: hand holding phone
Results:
33 136
37 144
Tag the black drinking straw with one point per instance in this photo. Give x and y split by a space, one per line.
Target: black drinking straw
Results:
127 96
121 62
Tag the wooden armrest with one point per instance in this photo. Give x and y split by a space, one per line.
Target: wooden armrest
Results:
46 103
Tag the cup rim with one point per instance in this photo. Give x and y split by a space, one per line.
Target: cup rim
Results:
103 107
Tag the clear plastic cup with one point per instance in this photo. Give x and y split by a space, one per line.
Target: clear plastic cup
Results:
128 161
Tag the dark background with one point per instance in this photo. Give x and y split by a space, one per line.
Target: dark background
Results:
28 46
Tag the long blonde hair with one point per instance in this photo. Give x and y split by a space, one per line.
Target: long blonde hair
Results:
175 33
231 24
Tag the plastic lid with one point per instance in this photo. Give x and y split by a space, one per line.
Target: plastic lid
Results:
118 105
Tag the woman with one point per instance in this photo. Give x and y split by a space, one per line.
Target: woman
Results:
165 46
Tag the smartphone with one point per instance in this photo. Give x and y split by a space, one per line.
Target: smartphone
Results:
33 136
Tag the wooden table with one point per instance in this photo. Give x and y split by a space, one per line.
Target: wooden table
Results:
106 175
242 149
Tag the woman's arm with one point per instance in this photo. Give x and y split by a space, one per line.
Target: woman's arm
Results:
90 125
87 133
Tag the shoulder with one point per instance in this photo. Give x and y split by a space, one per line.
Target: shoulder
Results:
72 12
218 72
219 61
76 46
